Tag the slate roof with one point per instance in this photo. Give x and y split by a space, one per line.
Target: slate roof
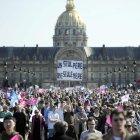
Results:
95 53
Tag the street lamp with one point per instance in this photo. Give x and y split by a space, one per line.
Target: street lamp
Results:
114 73
5 64
125 69
134 65
20 70
119 75
110 77
33 77
6 73
28 75
5 69
15 68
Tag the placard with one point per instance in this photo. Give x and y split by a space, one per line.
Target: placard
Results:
69 70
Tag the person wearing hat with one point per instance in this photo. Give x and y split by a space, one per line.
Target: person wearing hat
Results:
10 133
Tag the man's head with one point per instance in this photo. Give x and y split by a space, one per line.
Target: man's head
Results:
54 107
61 127
81 109
18 109
91 124
118 120
69 109
9 123
5 108
36 112
131 115
96 110
62 104
129 126
46 105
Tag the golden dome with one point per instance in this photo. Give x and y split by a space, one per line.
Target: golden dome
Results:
70 17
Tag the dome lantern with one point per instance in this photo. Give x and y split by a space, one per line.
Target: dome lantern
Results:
70 5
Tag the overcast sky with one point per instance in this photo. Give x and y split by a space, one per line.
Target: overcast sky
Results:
31 22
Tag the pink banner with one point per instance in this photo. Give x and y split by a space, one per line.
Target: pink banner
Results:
108 121
33 101
16 137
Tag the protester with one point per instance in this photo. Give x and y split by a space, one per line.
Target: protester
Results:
129 127
135 137
91 129
20 121
75 105
53 117
118 131
92 136
10 133
5 112
38 123
60 110
60 131
69 118
80 121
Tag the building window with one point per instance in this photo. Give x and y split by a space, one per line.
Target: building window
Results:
74 32
59 32
66 43
74 43
58 44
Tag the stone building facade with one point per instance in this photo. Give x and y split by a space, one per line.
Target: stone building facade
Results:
38 65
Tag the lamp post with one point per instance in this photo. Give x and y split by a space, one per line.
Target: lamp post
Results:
114 78
33 74
125 69
119 76
111 78
134 65
5 69
20 70
14 68
28 75
107 77
6 73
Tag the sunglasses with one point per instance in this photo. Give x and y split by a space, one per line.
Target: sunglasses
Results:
119 119
128 126
132 116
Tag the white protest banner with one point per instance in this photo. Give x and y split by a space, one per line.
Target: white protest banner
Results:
125 98
69 70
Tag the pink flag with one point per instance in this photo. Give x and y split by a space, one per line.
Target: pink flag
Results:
108 121
40 90
22 103
32 101
119 108
16 137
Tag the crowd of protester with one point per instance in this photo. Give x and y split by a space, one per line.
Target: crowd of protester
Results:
69 113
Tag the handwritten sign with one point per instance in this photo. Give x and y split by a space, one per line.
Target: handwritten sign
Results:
69 70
